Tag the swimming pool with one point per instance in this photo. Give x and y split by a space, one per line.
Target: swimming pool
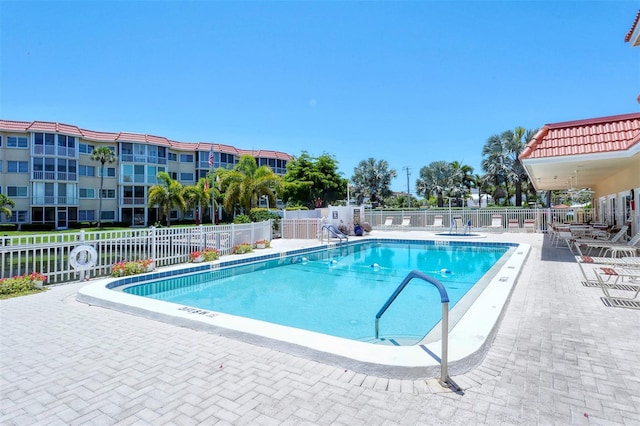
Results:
338 291
473 319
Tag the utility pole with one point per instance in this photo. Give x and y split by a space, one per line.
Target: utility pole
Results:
408 193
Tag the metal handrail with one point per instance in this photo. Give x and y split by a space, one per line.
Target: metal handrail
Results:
445 380
336 232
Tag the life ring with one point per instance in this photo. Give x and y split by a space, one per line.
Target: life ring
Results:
82 258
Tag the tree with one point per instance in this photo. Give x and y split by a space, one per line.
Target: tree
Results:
197 196
102 155
309 179
6 204
462 181
372 179
167 195
501 161
247 182
436 178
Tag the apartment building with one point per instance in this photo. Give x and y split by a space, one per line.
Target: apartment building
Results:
47 170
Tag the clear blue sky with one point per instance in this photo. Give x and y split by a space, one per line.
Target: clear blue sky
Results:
410 82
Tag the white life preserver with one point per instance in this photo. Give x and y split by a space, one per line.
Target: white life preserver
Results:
82 258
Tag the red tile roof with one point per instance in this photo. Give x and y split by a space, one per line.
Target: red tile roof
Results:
633 27
591 136
92 135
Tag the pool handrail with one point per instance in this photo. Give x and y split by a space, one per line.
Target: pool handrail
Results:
336 232
445 380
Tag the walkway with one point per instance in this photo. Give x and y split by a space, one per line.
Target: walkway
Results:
560 357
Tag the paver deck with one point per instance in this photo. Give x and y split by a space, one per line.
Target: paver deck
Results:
560 356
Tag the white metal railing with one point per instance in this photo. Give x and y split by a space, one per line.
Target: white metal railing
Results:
49 253
479 218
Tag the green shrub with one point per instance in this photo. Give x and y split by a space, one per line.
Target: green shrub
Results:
132 267
18 285
242 248
242 218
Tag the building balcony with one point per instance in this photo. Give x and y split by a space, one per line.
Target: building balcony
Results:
53 200
133 201
65 176
60 151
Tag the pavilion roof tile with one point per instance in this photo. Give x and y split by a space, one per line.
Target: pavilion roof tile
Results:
590 136
627 37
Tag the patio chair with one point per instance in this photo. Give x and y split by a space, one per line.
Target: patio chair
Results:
388 222
457 225
406 222
529 225
514 225
496 222
609 278
598 262
437 222
612 249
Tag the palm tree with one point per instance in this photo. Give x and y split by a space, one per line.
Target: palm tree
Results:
103 155
462 180
167 195
518 175
247 182
372 179
197 196
436 178
6 204
501 161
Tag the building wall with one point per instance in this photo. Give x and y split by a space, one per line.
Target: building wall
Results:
84 208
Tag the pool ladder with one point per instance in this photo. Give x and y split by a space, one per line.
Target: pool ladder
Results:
336 233
445 380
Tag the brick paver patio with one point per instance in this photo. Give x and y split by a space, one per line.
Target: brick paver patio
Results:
560 357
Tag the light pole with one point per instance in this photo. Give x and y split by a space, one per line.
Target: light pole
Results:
408 193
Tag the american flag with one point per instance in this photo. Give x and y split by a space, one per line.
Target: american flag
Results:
211 156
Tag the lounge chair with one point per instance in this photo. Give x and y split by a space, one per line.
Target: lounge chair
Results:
437 222
457 225
496 222
406 221
388 222
612 249
514 224
608 278
597 262
529 225
571 239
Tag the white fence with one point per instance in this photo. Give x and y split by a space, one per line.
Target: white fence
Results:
49 253
510 220
480 218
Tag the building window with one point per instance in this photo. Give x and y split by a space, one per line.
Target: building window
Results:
17 142
108 193
186 177
186 158
68 141
18 216
86 170
86 215
85 148
17 167
110 172
87 193
108 215
173 156
17 191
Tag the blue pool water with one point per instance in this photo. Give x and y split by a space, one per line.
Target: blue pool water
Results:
337 291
